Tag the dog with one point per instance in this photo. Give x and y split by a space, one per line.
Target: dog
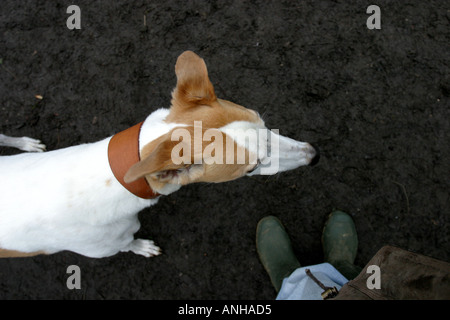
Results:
86 198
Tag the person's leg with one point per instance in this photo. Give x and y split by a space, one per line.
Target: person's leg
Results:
275 250
288 278
340 244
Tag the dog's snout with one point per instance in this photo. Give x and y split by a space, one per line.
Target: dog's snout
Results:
316 157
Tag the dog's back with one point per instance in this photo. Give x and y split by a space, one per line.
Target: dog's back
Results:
56 193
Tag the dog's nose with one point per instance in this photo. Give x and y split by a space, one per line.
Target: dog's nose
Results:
316 158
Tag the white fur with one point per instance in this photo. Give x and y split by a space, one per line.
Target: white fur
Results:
154 127
275 153
68 199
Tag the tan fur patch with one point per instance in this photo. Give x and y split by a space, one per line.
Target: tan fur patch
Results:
17 254
157 160
217 114
193 99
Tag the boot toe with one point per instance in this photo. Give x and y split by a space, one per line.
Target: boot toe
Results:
275 250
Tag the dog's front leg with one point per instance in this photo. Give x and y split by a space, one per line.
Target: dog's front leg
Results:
23 143
147 248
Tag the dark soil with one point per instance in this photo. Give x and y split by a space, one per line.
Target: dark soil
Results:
376 102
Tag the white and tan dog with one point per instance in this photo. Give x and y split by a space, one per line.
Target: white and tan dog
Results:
86 198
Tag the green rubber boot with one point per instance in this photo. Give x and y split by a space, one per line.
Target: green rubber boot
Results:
340 244
275 250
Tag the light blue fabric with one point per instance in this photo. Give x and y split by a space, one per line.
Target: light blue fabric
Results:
298 286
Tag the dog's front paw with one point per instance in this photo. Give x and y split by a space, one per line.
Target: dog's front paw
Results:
30 145
147 248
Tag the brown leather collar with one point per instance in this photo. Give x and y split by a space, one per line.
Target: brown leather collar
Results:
123 152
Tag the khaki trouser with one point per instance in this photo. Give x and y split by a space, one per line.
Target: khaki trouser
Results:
395 273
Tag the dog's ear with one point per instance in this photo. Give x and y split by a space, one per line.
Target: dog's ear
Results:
158 160
167 161
190 154
193 84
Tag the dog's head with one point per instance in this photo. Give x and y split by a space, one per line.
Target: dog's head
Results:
216 140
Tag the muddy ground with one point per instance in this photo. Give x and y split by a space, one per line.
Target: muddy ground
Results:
376 102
